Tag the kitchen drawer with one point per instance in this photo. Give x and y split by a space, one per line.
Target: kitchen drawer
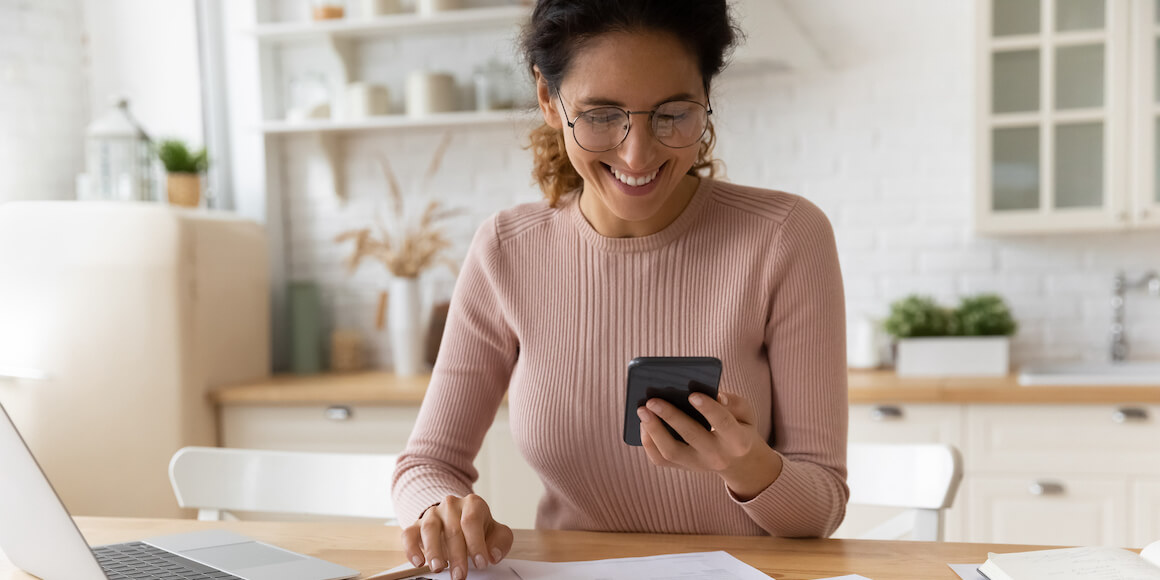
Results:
340 428
1048 510
1074 439
906 424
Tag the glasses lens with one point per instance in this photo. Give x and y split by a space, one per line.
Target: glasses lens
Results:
679 123
601 129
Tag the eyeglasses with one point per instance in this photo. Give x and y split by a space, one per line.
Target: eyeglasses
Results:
676 124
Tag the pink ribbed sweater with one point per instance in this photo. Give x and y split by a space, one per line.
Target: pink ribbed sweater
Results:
550 312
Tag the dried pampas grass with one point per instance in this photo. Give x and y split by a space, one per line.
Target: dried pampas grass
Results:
405 249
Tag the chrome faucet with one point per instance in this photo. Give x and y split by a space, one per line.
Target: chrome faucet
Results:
1121 286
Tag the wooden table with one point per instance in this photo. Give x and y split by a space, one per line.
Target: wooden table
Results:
373 548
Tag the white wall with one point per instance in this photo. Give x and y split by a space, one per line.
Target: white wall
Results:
882 142
43 98
147 51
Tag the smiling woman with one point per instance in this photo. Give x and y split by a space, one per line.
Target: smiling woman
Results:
636 252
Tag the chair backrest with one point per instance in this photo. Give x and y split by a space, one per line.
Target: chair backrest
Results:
215 480
921 477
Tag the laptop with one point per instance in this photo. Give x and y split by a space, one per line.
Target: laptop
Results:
38 536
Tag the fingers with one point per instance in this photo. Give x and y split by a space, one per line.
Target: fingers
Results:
431 534
650 447
739 407
653 423
413 545
690 430
475 520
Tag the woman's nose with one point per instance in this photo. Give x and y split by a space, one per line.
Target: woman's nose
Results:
639 147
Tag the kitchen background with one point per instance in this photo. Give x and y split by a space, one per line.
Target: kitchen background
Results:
869 109
880 135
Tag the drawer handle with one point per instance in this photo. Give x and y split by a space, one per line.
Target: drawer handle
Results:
886 413
1042 488
339 413
1130 415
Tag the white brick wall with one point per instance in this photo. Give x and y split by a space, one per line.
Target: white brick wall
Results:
43 98
882 143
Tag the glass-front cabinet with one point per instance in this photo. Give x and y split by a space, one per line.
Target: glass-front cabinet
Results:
1059 145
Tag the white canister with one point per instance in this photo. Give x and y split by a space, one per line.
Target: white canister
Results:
430 92
366 100
373 8
429 7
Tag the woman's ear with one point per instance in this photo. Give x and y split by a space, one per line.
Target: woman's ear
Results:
547 106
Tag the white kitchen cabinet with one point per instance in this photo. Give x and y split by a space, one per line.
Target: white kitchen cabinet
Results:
1034 474
1066 120
1048 510
1145 516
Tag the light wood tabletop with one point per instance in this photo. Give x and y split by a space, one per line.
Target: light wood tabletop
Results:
372 548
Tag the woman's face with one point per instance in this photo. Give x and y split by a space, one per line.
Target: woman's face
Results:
640 186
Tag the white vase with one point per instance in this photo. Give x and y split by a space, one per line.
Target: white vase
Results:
405 322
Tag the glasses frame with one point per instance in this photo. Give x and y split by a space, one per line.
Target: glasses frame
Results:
572 123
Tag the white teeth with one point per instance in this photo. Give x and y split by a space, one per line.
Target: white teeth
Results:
633 181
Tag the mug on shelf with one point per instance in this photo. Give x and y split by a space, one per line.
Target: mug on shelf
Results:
430 92
429 7
366 100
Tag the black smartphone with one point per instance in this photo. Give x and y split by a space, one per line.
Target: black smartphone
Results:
672 378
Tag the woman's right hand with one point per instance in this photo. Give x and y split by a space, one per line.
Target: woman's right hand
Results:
453 531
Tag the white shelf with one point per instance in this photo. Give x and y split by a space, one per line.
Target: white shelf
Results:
456 119
400 24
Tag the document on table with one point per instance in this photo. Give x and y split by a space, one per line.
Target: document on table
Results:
692 566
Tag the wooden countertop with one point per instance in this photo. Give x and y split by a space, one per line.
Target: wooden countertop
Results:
866 387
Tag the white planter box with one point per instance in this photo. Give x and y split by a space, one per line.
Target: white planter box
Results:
953 356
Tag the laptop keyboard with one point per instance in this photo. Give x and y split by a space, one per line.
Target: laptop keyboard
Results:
140 561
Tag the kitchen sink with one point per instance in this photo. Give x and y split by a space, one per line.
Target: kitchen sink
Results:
1134 373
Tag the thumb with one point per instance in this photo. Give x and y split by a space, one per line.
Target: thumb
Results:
499 541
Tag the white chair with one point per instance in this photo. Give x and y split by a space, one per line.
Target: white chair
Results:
217 480
920 477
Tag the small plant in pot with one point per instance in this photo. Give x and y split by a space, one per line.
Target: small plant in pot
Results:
970 340
184 168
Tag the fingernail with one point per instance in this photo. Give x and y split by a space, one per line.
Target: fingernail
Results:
416 561
436 565
458 574
697 400
643 414
496 555
480 562
653 406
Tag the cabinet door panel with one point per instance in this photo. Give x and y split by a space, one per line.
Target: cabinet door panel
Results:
1145 512
1016 85
1079 76
1015 17
1079 165
1084 512
1080 15
1015 169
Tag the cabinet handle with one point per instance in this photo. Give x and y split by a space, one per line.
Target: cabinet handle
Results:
1130 415
1042 487
339 413
886 413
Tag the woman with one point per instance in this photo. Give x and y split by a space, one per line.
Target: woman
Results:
634 253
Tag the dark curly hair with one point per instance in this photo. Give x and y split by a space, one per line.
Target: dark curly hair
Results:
559 28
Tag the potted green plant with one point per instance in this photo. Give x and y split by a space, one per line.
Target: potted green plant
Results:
184 168
970 340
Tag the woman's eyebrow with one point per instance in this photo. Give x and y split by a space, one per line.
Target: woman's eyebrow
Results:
599 102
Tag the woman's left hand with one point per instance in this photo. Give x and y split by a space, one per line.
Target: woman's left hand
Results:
733 449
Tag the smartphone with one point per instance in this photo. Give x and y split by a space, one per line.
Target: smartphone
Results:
672 378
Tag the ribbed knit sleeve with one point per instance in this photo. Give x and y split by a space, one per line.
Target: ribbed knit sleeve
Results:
806 344
467 385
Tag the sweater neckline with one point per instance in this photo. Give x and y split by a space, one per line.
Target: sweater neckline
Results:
659 239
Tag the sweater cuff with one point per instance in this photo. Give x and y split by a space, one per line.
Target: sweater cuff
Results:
796 504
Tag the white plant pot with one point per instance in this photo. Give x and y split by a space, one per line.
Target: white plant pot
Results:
405 322
953 356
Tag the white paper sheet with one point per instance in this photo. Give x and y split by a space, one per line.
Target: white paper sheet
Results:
692 566
847 577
